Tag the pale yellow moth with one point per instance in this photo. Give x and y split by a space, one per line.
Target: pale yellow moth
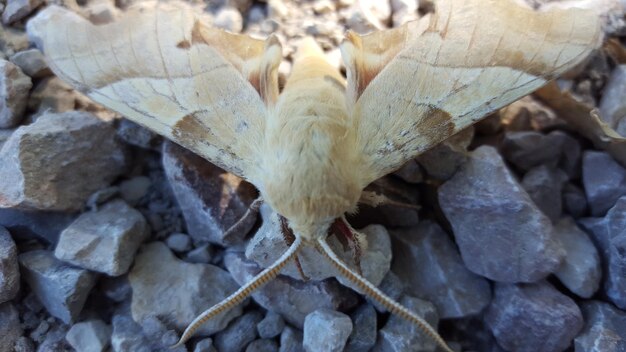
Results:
312 148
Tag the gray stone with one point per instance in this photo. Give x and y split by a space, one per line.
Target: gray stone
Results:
230 19
291 298
429 265
14 88
533 317
46 226
104 240
178 242
63 289
571 154
262 345
24 344
10 329
544 185
204 345
390 215
574 200
269 244
271 325
32 63
500 232
326 330
581 270
116 288
55 340
527 149
604 180
58 161
203 254
137 135
403 11
442 161
127 335
9 268
160 289
392 286
210 199
365 331
410 172
291 340
160 337
134 189
610 238
89 336
400 335
239 333
604 331
18 9
612 105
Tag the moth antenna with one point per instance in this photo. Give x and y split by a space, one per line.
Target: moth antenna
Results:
372 291
242 293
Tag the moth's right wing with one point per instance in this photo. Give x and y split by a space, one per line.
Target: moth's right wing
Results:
165 69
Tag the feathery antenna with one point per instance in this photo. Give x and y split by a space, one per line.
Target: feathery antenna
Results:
242 293
372 291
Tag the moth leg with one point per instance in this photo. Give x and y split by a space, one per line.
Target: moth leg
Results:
350 239
372 291
253 210
374 200
289 237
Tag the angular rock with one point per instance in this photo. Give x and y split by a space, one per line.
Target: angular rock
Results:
500 232
159 335
89 336
326 330
204 345
610 238
604 329
271 325
10 329
604 180
401 335
55 340
239 333
571 154
14 88
581 270
544 185
527 149
430 267
32 63
210 199
160 289
612 106
9 268
442 161
127 335
292 299
291 340
63 289
262 345
57 162
203 254
178 242
132 190
574 200
230 19
137 135
533 317
410 172
41 225
18 9
365 331
52 95
403 11
269 244
104 240
24 344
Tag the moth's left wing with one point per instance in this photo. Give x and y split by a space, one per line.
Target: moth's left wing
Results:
411 87
166 69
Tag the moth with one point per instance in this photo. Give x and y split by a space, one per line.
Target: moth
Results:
312 146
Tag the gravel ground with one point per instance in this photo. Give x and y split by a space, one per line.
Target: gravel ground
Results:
113 239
